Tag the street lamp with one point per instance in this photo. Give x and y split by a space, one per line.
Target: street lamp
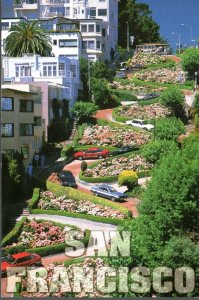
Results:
196 77
179 40
127 34
191 30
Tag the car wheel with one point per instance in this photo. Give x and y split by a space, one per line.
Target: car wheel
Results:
100 156
113 199
96 194
80 158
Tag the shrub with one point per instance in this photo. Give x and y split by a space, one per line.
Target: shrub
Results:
154 150
79 195
196 102
12 236
67 152
174 98
128 178
168 128
84 166
80 216
196 121
34 200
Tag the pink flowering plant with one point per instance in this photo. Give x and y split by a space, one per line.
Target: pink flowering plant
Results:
113 167
49 200
144 112
117 136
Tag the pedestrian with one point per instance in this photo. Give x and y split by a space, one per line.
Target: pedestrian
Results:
36 158
42 160
30 170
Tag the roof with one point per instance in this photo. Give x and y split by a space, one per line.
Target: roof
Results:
18 91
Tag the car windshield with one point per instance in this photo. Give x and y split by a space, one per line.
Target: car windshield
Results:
9 259
112 190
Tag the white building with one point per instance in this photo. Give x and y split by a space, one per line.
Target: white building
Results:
105 10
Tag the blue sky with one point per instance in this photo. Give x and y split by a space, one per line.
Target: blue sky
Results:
169 14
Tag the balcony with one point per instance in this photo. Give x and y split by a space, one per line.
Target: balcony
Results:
26 79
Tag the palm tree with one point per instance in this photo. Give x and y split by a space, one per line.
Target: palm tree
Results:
27 37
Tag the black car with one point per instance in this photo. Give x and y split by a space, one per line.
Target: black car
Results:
66 178
122 150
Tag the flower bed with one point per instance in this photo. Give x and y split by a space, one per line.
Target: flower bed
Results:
118 136
146 60
143 112
40 233
115 166
85 264
48 200
160 75
134 86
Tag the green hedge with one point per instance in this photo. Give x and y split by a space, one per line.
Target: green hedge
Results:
79 195
151 84
106 179
67 151
12 236
32 203
80 216
124 94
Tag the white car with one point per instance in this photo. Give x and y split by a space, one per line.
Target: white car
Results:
140 124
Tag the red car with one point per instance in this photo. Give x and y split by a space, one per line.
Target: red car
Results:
91 153
23 259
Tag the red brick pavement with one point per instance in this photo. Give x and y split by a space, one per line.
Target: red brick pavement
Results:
104 114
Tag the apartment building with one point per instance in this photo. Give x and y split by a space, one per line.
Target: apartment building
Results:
21 120
104 10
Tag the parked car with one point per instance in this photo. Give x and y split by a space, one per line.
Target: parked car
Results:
107 191
23 259
91 153
150 96
121 150
66 178
140 124
121 74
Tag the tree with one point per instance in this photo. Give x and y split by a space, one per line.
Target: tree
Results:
141 24
27 37
190 61
174 98
100 70
84 111
169 129
84 78
155 150
56 107
169 207
196 102
101 93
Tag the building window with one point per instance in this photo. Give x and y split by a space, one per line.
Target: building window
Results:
90 28
62 69
26 129
98 28
37 121
54 42
7 129
102 12
49 69
67 11
26 106
73 69
7 104
93 12
98 44
22 70
103 32
83 28
67 43
91 45
4 25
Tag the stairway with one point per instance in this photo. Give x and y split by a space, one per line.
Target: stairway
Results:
73 130
189 128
